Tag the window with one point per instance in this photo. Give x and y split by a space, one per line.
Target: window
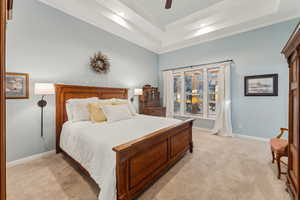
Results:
177 93
196 92
212 80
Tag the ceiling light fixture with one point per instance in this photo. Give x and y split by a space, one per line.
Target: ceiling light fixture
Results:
121 14
203 31
120 20
200 31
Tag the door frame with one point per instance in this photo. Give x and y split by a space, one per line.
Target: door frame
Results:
3 13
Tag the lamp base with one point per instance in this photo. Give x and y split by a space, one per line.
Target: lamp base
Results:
42 103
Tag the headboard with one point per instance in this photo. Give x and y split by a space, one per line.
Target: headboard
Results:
65 92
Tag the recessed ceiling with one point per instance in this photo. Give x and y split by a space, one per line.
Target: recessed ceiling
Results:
155 12
189 22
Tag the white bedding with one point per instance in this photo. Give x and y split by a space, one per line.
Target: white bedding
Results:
91 145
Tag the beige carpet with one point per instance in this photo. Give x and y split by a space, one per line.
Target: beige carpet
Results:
219 169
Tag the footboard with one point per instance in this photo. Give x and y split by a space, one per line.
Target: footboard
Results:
141 162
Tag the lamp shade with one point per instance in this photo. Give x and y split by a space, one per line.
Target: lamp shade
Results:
138 91
44 89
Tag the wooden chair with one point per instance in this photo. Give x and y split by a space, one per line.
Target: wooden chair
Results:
279 148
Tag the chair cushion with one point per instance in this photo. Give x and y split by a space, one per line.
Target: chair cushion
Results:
279 145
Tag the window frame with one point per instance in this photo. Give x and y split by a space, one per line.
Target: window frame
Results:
181 73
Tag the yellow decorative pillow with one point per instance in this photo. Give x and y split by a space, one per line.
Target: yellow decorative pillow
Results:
96 113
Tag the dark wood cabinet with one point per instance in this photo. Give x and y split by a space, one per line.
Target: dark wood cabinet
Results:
292 53
155 111
149 102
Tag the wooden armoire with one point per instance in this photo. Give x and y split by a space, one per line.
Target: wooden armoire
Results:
292 53
149 102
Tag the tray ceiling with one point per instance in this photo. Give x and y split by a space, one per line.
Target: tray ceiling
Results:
189 22
155 12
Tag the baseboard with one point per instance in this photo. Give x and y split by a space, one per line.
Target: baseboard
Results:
202 129
236 135
28 159
252 137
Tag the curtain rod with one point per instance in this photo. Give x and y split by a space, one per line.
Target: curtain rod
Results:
211 63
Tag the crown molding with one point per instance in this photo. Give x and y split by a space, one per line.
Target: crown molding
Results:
220 20
194 42
115 24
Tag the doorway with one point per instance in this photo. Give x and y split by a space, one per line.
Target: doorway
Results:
3 8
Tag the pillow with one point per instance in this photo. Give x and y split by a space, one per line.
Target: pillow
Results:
116 112
106 100
96 113
77 109
129 104
82 99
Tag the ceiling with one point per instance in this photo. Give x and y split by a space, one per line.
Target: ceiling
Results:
155 12
189 22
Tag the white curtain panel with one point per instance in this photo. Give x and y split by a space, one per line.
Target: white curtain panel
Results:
168 100
223 124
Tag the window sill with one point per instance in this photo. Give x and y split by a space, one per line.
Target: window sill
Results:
196 117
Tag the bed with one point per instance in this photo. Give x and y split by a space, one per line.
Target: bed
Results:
122 164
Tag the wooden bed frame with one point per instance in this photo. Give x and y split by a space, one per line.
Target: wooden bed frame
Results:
139 162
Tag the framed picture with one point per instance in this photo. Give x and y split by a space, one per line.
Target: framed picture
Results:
17 86
261 85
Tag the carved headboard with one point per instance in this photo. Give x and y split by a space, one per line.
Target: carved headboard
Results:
65 92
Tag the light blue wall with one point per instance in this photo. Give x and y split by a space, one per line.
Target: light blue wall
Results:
54 47
254 52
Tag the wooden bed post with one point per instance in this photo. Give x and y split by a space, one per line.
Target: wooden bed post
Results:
122 169
191 139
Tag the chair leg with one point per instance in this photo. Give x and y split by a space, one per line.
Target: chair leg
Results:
273 157
278 165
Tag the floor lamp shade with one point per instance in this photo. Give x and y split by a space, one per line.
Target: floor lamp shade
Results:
44 89
138 91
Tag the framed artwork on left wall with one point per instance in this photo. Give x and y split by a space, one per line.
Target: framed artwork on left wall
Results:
17 85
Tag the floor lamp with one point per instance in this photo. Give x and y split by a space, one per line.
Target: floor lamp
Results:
43 89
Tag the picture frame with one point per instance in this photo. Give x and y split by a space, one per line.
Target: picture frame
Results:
17 85
261 85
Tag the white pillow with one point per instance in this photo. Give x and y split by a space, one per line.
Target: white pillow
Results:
129 103
106 100
116 112
77 109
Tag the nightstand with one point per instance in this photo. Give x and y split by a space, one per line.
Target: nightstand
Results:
155 111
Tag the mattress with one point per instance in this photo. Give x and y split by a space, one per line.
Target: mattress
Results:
91 145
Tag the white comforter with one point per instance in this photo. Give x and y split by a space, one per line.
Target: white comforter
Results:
91 145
